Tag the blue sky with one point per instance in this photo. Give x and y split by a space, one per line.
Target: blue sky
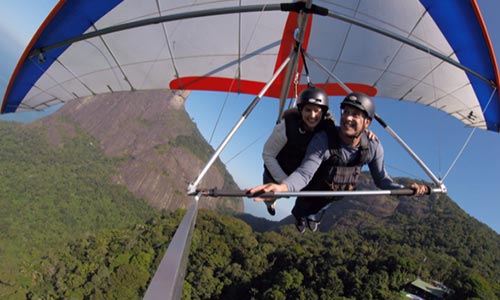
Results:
433 135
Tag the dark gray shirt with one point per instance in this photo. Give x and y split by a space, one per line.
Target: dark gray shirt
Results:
317 152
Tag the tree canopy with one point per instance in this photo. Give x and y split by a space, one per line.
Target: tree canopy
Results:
229 260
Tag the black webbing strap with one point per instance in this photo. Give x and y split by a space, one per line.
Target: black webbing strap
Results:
305 66
301 6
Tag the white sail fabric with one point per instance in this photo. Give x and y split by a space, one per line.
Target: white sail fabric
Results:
239 51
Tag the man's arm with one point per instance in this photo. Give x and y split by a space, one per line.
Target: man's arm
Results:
382 179
377 168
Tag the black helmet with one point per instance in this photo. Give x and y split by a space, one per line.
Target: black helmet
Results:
313 95
360 101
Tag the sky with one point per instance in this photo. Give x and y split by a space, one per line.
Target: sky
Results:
436 137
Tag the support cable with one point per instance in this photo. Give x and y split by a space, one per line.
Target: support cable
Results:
245 148
219 116
402 171
237 75
468 138
327 71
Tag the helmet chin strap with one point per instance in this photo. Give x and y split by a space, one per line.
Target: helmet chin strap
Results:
353 137
348 139
358 135
302 126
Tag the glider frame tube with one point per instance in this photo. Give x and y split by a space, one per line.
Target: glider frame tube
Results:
251 8
170 274
192 186
411 152
325 69
287 79
157 20
412 43
397 192
168 280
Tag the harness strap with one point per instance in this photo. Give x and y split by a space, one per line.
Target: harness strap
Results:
305 66
301 6
336 154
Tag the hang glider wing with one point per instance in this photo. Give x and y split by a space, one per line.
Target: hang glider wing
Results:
90 47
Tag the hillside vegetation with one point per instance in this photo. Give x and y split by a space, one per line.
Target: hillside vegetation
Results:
103 243
229 260
50 195
100 163
77 220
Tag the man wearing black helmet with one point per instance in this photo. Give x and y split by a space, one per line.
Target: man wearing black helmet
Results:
334 159
286 146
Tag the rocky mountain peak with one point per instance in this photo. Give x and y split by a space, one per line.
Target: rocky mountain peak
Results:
157 147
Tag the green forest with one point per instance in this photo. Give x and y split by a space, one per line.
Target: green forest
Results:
66 232
228 260
52 195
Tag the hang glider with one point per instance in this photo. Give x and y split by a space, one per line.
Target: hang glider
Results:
436 53
90 47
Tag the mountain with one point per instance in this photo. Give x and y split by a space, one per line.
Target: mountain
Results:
99 163
75 224
158 147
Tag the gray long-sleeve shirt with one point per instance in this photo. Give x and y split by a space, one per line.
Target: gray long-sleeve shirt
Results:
272 148
317 152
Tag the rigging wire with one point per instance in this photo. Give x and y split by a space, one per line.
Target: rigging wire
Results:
167 45
460 152
237 73
296 80
439 125
220 114
292 103
245 148
468 139
403 171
